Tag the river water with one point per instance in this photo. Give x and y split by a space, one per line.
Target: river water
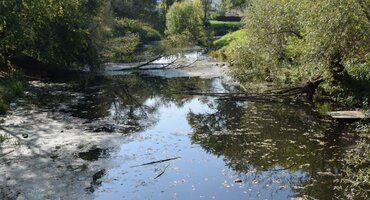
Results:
216 149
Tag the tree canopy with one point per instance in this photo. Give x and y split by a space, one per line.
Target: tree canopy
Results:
305 38
75 33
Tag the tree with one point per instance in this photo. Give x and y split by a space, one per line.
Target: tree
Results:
207 5
186 18
336 35
264 52
305 38
144 10
227 5
58 32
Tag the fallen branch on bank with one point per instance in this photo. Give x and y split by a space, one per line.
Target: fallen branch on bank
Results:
142 64
188 65
155 162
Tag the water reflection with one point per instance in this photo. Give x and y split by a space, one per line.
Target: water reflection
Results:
117 103
270 138
228 149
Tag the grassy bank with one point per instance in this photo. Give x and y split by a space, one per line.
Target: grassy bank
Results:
228 41
224 27
223 45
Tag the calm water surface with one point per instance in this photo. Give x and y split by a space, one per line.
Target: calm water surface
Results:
224 149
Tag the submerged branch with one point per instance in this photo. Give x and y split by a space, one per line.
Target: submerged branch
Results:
155 162
160 174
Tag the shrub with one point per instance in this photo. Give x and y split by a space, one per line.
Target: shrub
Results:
174 42
121 48
187 18
142 29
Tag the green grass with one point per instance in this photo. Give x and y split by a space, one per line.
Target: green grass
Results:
224 45
225 23
224 27
227 39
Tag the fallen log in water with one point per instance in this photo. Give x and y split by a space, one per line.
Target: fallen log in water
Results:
141 64
308 87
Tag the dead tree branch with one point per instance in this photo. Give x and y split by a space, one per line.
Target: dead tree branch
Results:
142 64
308 88
160 174
155 162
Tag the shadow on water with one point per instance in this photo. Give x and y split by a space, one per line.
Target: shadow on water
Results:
94 154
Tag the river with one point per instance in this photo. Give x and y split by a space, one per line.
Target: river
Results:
88 138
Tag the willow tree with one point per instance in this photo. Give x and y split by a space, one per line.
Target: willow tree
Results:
336 36
306 38
270 25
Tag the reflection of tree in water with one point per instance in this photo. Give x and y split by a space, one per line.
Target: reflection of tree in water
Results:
132 101
271 138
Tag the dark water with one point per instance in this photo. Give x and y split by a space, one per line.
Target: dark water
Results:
228 150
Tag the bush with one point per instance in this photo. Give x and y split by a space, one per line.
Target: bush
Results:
305 39
121 49
177 41
142 29
187 18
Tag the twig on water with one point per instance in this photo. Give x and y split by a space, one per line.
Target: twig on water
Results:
155 162
2 155
164 170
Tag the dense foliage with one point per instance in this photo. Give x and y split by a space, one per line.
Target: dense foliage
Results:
305 39
143 10
227 5
58 32
186 18
74 33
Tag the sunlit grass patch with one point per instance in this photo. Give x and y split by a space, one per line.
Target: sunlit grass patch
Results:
224 27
